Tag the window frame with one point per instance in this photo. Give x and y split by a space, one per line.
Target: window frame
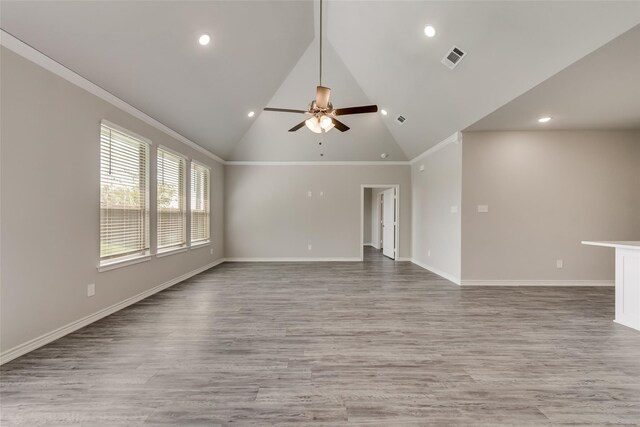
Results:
207 240
168 250
145 255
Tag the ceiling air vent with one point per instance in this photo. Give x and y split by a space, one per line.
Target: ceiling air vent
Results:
401 119
454 57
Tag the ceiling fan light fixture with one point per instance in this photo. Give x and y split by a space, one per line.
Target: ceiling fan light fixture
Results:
326 123
313 124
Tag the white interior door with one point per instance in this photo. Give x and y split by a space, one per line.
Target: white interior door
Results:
389 223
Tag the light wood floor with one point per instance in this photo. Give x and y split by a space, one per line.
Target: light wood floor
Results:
375 343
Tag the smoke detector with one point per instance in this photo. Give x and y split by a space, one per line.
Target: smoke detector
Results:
453 57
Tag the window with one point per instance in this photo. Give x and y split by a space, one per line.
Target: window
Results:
199 203
171 200
124 195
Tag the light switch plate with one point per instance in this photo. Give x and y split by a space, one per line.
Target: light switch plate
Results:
309 193
309 247
421 168
483 208
559 263
454 209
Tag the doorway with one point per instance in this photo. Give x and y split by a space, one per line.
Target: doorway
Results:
379 221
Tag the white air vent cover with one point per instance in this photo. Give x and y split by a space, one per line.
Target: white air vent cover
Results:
401 119
453 57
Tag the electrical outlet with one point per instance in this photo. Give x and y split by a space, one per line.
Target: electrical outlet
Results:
428 253
91 289
322 194
309 247
454 209
211 251
559 263
309 194
483 208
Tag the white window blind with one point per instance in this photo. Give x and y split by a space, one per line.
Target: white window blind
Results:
199 203
171 200
124 195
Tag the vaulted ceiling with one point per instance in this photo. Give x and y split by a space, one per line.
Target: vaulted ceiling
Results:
265 53
600 91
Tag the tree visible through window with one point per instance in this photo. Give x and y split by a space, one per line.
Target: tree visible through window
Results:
124 195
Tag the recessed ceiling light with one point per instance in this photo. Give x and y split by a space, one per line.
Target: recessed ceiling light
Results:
251 114
204 39
383 112
544 119
429 31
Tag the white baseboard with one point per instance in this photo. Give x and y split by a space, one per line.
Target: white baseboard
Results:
42 340
628 325
403 259
448 276
368 244
338 259
538 283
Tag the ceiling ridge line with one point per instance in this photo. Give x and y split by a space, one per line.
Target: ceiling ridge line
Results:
32 54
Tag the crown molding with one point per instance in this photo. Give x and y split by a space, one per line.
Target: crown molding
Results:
456 138
311 163
32 54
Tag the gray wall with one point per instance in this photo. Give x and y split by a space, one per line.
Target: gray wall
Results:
546 192
269 215
366 229
436 190
50 205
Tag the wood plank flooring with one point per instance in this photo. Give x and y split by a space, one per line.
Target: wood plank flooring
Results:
335 344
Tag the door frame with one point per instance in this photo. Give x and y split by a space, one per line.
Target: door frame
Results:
387 186
380 214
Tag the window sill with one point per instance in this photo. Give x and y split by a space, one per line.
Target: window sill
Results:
123 263
201 244
171 251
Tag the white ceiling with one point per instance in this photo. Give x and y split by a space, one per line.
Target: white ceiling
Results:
147 54
600 91
262 54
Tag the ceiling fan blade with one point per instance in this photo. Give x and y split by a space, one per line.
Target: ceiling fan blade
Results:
356 110
296 127
339 125
322 96
284 110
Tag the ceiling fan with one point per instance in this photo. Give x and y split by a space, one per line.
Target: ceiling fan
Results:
323 115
